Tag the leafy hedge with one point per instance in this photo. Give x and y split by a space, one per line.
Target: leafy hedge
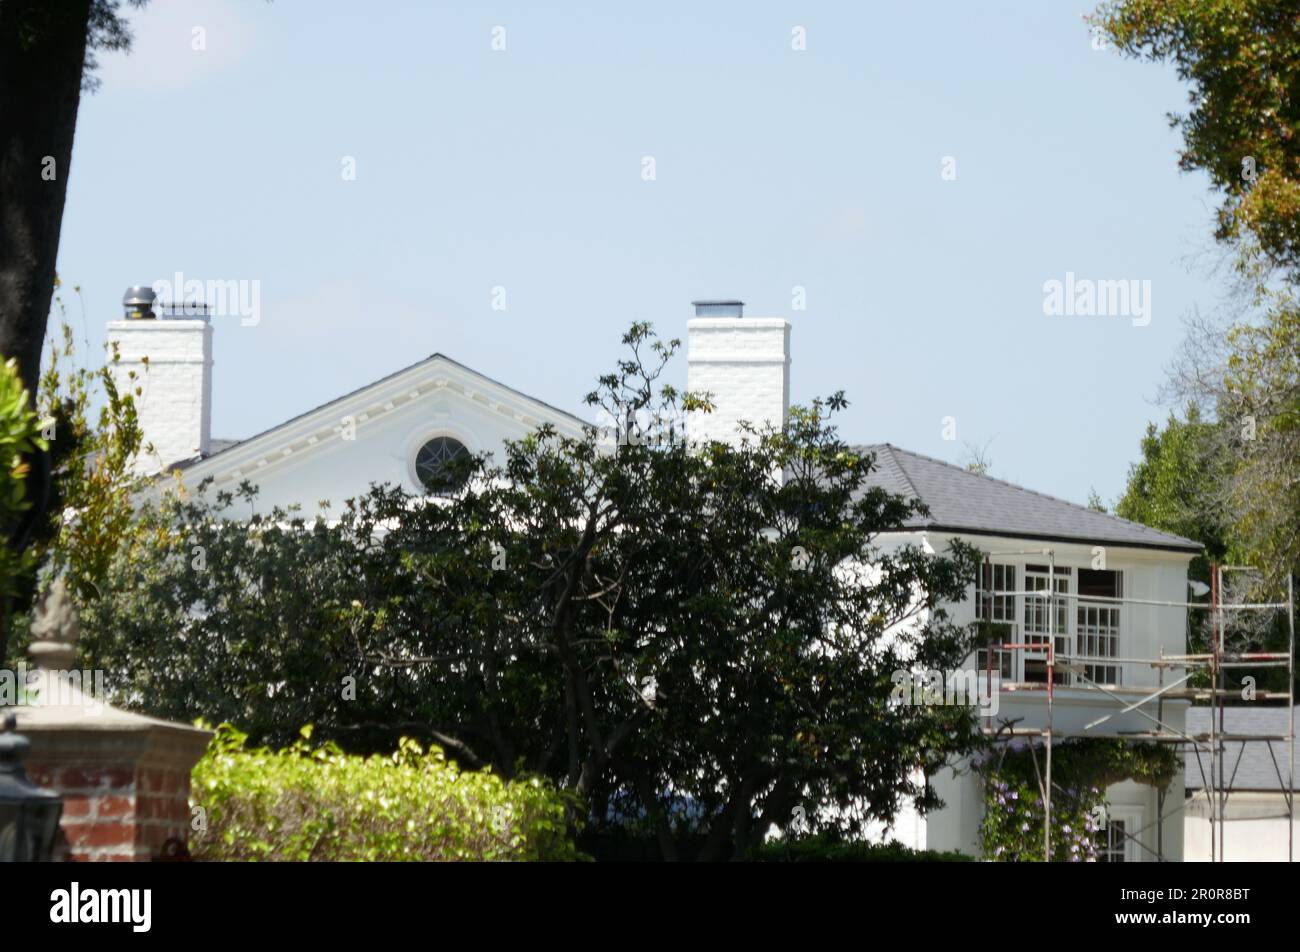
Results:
317 803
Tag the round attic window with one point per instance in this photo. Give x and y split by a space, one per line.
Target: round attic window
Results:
434 464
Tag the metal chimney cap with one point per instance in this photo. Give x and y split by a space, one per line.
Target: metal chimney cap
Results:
140 294
715 308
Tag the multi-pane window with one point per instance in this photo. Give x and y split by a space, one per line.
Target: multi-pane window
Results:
1042 619
1112 842
1098 622
995 602
995 593
1083 620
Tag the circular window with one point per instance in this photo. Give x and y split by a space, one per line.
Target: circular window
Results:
434 464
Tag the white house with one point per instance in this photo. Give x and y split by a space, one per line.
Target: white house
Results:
1107 573
402 428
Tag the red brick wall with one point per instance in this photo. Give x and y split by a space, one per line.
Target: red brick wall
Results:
116 813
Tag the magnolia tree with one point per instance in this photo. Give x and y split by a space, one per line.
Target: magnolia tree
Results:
701 641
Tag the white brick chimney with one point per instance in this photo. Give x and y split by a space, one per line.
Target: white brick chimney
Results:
743 362
172 360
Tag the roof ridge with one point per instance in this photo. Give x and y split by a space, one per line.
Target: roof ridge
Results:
902 472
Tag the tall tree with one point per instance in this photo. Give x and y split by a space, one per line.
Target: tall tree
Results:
1180 482
46 60
1241 59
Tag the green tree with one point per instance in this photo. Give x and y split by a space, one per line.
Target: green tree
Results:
20 436
1262 384
1179 484
47 57
1189 481
1241 60
89 435
673 632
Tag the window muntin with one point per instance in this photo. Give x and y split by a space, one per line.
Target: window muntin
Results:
1118 842
1098 623
434 465
1112 842
995 602
990 581
1084 623
1041 621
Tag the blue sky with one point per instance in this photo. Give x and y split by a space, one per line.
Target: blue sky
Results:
775 168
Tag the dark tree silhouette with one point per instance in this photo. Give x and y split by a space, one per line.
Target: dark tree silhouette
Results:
46 60
47 57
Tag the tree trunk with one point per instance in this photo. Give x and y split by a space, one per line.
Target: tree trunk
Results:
42 54
42 50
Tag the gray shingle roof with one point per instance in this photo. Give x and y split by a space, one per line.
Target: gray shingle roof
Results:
960 500
1251 761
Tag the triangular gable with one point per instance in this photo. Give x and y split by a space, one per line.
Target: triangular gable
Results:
306 433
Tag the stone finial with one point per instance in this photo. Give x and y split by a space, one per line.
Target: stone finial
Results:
55 630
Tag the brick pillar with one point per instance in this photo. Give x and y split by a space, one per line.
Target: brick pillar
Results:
125 783
125 778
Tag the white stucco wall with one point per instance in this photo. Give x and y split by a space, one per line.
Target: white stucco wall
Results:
1256 830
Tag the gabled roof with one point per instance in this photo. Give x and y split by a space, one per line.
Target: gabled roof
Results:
219 447
962 501
1248 764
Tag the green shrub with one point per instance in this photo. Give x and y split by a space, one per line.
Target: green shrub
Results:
317 803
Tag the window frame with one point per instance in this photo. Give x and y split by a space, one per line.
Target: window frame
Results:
414 462
1028 622
1131 817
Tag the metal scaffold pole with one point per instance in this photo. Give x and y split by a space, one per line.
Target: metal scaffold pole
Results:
1051 672
1216 663
1290 740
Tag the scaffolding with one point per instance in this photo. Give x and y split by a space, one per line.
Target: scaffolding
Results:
1218 784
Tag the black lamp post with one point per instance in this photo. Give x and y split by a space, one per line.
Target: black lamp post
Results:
29 816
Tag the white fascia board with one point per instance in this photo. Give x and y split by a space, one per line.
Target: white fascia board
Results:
260 453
